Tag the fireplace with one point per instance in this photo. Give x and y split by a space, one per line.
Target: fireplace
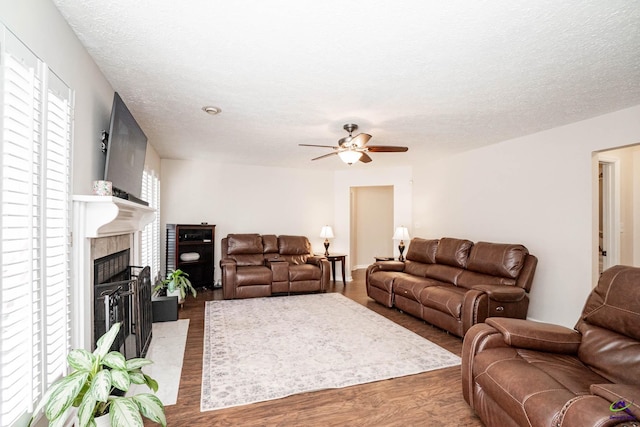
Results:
122 293
105 226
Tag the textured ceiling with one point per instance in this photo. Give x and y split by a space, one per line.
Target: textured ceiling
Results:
436 76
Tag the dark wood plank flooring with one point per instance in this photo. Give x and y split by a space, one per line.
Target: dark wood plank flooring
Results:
429 399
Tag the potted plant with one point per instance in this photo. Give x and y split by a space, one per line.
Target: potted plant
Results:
91 387
178 283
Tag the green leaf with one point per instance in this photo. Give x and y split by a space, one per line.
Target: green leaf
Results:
101 386
151 383
137 363
125 413
120 379
81 360
86 410
104 342
61 421
115 360
65 391
151 407
137 377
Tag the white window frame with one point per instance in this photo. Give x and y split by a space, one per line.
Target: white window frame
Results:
36 228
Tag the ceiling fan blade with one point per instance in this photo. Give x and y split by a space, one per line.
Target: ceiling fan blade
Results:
314 145
326 155
361 139
365 158
386 149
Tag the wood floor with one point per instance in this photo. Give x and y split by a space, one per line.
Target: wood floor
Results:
429 399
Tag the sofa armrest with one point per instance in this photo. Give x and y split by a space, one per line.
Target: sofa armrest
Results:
624 399
386 266
536 335
478 338
228 267
502 293
323 264
316 260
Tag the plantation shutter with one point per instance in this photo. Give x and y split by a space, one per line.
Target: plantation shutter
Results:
34 237
150 241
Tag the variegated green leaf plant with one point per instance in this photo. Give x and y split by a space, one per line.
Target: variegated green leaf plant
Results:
177 279
91 385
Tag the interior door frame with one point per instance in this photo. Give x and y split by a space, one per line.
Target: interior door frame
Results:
610 209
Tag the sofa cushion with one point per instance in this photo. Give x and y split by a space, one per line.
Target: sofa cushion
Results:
410 286
497 259
443 273
304 272
253 275
422 250
532 386
294 249
293 245
242 244
468 279
416 268
453 252
270 243
611 304
447 299
384 279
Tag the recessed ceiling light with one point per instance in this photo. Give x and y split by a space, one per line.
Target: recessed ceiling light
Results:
210 109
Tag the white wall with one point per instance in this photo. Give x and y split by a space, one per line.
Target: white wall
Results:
536 190
246 199
39 25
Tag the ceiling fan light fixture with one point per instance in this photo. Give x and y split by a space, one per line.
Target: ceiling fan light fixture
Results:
350 156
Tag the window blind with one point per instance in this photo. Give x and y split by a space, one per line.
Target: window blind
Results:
35 206
150 240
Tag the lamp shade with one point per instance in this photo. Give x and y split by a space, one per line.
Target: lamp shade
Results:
350 156
402 233
326 232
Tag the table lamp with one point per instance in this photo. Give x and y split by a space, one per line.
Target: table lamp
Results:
401 234
327 233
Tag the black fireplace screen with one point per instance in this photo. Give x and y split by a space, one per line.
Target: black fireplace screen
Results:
122 293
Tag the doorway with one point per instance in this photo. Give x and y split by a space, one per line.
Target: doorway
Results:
608 215
616 229
371 224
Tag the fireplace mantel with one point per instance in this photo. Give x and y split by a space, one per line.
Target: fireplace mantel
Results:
103 216
97 217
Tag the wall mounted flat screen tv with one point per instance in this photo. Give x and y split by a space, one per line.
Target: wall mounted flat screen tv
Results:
126 150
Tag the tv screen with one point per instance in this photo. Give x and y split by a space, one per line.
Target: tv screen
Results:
126 150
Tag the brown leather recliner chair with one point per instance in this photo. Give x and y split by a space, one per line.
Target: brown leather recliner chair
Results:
522 373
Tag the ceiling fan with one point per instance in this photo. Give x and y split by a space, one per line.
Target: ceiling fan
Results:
354 148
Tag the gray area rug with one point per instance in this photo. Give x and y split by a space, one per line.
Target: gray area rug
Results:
267 348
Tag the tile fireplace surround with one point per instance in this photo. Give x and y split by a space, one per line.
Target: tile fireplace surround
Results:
102 225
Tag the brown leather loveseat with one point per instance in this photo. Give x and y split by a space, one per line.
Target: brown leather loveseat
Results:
524 373
454 283
255 265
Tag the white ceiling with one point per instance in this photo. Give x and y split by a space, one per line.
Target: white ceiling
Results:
436 76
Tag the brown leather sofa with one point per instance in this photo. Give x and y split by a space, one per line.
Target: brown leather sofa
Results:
454 283
524 373
255 265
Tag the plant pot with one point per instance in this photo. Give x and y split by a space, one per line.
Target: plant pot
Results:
176 293
102 421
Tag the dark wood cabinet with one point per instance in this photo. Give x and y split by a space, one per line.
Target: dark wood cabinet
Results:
190 248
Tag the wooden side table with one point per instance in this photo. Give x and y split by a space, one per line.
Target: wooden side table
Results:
332 259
